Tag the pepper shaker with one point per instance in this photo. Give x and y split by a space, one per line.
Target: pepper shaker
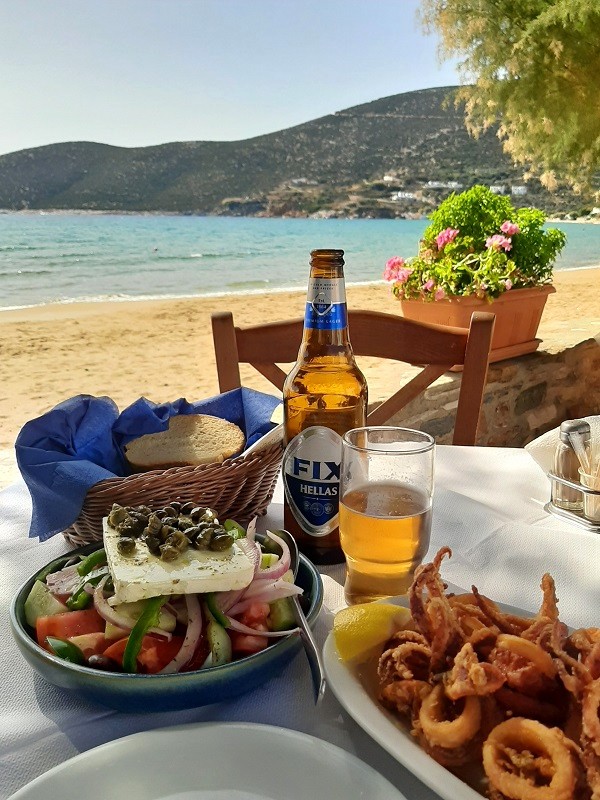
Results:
566 465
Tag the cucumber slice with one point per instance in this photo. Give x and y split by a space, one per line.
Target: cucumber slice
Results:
220 644
281 615
41 603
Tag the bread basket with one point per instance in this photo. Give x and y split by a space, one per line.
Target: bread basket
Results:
239 488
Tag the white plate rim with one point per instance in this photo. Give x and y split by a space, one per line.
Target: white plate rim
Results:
381 726
322 754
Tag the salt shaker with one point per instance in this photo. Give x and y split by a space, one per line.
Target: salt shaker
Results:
566 465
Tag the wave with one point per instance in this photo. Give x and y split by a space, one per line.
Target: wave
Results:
7 273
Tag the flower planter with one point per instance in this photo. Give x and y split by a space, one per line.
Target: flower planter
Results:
518 314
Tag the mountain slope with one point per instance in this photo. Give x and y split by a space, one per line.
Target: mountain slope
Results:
335 162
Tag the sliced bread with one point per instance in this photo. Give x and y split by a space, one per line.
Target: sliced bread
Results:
190 440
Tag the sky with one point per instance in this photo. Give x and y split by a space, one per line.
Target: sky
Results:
143 72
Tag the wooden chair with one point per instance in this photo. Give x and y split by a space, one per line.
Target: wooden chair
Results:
436 348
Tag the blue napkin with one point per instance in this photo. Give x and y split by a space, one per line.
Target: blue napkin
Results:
80 442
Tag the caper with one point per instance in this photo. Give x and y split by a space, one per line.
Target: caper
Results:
186 508
178 540
196 513
153 544
170 520
208 515
144 510
104 663
154 523
203 538
166 531
117 514
126 545
126 527
221 541
170 511
184 522
168 552
176 506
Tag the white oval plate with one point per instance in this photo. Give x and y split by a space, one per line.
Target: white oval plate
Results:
213 761
358 698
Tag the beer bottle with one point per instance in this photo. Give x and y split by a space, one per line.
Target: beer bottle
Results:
325 390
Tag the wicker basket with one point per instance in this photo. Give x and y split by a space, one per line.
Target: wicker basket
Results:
240 488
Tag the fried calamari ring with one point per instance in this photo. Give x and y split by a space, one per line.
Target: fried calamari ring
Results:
525 760
529 650
444 728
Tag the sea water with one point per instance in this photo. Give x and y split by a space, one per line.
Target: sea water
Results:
66 257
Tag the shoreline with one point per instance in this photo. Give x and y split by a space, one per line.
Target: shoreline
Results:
162 349
96 300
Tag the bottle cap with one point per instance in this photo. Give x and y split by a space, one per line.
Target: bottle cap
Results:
579 426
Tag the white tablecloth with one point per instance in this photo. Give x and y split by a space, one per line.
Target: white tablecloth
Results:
488 507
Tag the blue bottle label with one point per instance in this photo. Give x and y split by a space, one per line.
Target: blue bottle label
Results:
311 479
326 304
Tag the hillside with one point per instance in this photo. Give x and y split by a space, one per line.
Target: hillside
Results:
353 162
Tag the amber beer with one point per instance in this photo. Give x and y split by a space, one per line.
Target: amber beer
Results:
324 390
386 502
384 534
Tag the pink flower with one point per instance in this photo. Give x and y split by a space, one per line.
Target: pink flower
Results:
428 285
445 237
508 284
439 294
509 228
497 242
403 275
392 267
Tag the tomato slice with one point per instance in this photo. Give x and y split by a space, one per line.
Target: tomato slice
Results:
68 624
155 652
243 644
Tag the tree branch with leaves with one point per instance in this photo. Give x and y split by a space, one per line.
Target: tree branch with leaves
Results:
532 68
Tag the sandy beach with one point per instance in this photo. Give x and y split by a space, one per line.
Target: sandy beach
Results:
163 349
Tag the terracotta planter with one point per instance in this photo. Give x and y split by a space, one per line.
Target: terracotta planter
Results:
518 314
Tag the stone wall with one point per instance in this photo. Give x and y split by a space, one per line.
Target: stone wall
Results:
524 397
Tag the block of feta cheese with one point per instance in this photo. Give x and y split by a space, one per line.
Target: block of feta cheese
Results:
141 574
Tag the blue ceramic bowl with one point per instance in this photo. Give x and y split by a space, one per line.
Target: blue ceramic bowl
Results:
149 693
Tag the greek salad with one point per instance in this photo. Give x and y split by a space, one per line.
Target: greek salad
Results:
164 559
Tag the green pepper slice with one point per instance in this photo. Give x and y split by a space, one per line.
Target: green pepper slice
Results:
215 611
235 529
92 561
148 619
79 598
65 650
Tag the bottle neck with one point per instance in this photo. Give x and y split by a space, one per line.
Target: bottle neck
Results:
326 315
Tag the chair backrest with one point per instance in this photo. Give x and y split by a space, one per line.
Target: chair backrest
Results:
436 348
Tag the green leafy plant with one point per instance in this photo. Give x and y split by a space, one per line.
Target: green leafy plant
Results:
477 244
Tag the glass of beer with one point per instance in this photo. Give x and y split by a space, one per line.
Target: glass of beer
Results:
386 494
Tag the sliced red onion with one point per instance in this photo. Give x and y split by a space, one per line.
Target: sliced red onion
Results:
286 590
239 626
282 566
260 587
251 529
225 600
64 581
192 635
252 551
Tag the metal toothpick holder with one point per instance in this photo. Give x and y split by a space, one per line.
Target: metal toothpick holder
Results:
577 517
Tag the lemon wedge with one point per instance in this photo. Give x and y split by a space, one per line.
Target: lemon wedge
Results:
360 630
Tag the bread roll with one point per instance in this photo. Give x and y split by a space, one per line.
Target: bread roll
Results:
190 440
